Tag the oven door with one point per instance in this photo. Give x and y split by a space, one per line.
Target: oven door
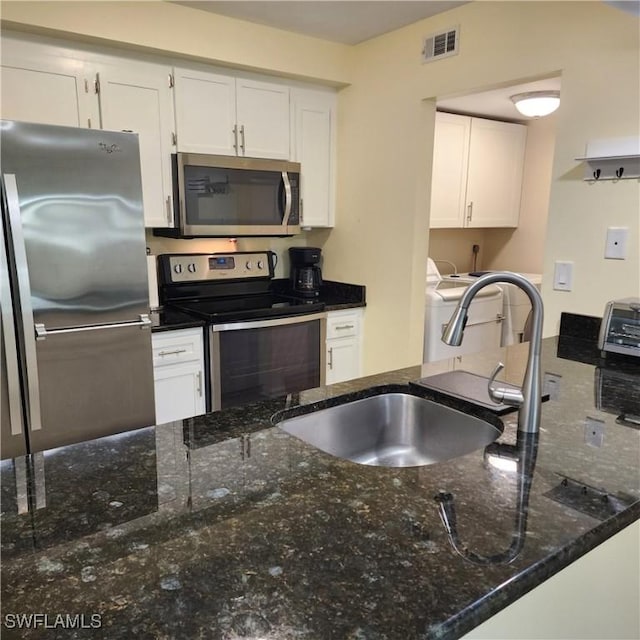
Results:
252 361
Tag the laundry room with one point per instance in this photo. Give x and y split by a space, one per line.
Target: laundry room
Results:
515 155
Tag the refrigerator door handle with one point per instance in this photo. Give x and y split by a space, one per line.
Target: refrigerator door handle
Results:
10 348
42 332
24 300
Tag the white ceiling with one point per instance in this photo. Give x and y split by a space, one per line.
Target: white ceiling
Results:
346 21
353 21
496 103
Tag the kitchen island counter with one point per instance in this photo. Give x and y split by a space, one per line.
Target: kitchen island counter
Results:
224 526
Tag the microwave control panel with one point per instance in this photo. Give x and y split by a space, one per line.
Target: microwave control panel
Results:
216 266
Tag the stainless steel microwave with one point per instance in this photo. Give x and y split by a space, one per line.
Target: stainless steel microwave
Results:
226 196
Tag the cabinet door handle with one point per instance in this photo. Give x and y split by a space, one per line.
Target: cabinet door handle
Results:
330 363
171 353
242 138
169 210
200 383
469 211
235 138
344 326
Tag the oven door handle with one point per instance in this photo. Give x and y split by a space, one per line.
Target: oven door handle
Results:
258 324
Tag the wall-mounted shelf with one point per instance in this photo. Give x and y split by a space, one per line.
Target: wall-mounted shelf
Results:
612 159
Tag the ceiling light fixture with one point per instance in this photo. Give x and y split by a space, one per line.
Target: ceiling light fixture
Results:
536 104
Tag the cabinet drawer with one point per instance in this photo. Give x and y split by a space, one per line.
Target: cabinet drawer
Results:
342 326
183 345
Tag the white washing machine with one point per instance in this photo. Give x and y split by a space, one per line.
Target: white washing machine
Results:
484 325
516 304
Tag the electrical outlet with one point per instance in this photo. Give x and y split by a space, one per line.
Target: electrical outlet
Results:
594 432
616 245
563 276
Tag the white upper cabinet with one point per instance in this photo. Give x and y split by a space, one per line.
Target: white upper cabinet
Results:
194 111
494 182
263 119
449 176
477 172
205 112
45 90
225 115
139 99
313 132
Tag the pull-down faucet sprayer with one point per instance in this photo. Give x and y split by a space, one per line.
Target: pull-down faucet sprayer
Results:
528 399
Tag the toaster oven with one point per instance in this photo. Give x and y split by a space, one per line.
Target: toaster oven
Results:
620 328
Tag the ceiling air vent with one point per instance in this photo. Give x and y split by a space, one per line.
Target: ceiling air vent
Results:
440 45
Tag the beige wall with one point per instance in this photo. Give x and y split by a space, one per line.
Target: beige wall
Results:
386 132
163 27
456 245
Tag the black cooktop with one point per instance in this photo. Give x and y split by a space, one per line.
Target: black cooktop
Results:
251 307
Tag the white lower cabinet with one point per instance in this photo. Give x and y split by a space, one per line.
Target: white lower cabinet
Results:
344 345
178 371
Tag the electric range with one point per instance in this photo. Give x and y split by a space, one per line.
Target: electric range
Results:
259 343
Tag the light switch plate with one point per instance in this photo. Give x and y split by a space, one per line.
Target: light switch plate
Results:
616 245
563 276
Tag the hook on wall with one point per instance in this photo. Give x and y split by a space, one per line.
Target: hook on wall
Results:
614 159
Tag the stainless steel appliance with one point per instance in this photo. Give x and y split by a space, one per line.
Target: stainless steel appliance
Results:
620 328
306 275
225 196
76 339
260 344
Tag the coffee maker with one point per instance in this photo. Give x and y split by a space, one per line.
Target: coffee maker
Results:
306 276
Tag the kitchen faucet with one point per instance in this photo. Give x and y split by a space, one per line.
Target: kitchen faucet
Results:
528 398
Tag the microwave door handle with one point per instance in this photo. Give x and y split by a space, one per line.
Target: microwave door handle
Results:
24 300
287 198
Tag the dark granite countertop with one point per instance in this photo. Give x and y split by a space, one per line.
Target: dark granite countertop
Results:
170 319
335 295
224 526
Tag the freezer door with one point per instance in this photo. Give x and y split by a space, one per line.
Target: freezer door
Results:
93 383
79 198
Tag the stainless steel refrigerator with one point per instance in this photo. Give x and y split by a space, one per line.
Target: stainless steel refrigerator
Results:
75 354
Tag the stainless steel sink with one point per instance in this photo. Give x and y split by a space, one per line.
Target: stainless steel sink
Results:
392 430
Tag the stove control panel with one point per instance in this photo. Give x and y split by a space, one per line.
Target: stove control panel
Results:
216 266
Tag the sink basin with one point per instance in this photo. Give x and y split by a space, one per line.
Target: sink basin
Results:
392 430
